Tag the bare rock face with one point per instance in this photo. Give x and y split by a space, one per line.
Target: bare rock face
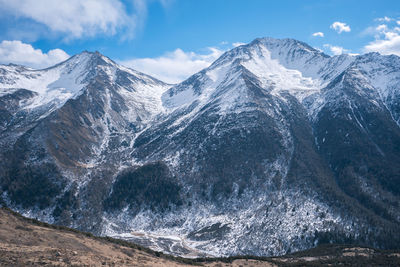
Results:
274 148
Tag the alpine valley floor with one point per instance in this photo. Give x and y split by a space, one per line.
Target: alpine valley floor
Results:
28 242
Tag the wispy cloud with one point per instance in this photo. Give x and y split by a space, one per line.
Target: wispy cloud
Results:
173 67
78 19
21 53
384 19
336 50
318 34
340 27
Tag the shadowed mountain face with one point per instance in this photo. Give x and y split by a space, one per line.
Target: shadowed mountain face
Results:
275 147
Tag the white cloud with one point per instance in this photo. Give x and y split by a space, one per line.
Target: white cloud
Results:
318 34
21 53
238 44
384 19
378 31
336 50
398 22
381 28
387 40
174 67
76 18
388 45
340 27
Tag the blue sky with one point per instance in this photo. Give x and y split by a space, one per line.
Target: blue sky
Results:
172 39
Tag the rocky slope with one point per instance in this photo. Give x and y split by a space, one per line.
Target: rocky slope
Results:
275 147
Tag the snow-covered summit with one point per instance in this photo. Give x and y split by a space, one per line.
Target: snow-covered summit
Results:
55 85
382 72
278 65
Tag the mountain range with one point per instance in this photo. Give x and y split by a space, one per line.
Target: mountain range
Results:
274 148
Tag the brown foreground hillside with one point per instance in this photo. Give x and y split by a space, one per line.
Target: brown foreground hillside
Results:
27 242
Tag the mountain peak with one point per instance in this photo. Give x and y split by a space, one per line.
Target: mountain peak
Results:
285 45
291 53
56 84
94 58
277 65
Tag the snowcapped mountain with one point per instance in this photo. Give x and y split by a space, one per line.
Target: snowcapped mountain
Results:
277 65
275 147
